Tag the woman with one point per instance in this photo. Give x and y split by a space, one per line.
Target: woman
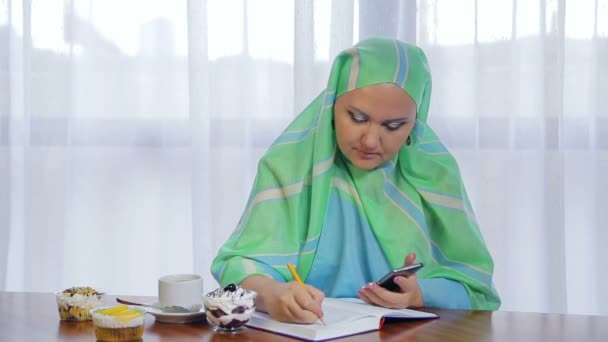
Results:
357 182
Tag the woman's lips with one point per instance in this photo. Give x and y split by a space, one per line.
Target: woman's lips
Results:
366 155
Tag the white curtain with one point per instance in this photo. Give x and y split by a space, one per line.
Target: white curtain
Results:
130 130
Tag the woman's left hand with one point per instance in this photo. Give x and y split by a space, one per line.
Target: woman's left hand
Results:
410 294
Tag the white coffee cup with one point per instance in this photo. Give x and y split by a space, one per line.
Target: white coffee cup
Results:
185 290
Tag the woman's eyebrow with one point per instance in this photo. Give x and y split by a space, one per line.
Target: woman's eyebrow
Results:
359 111
398 120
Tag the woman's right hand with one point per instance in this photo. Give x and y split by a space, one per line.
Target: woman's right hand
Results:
286 302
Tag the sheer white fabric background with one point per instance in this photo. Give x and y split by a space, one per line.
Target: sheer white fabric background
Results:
130 130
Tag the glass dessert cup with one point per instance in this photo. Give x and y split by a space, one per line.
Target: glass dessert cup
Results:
119 323
75 304
229 309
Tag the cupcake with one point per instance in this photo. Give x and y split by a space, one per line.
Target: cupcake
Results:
230 308
75 303
118 323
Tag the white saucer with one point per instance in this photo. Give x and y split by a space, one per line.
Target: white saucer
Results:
165 317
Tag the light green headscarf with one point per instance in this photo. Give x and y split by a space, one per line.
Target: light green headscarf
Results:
423 208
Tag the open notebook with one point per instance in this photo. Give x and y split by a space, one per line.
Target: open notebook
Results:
343 317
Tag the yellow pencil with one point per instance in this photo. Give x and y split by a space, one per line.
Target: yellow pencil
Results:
296 276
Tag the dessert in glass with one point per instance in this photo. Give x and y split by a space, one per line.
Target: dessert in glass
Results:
75 303
228 309
118 323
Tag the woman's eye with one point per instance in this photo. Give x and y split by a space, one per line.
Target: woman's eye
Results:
394 126
358 118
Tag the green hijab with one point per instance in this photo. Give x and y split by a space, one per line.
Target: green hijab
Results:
420 206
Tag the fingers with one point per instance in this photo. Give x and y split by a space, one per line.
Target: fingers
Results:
382 297
409 295
406 284
363 295
410 258
309 299
314 292
291 302
411 287
318 296
299 315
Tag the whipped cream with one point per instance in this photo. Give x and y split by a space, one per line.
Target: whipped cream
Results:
107 321
79 296
228 301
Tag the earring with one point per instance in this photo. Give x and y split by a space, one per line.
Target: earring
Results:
408 142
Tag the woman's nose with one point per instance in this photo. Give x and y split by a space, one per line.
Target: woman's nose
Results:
370 138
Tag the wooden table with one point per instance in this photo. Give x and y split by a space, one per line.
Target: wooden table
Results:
34 317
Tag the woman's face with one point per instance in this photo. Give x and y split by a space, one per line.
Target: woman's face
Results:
372 123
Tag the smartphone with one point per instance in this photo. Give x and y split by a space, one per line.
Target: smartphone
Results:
405 271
